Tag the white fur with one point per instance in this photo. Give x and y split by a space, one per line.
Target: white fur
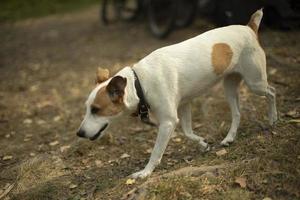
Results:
172 76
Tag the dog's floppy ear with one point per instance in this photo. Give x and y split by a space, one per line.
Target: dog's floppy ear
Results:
101 75
116 88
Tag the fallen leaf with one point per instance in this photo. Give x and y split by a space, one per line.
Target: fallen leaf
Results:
130 181
111 161
294 121
27 121
261 138
177 140
222 152
222 124
292 113
102 147
32 154
148 151
33 88
125 155
7 158
241 181
40 122
26 139
85 161
98 163
54 143
7 136
198 125
136 129
274 133
72 186
57 118
272 71
64 148
43 104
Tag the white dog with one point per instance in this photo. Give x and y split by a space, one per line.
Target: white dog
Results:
167 80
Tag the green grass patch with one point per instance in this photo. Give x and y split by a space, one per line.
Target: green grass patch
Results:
13 10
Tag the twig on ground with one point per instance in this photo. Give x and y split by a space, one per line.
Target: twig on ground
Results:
7 190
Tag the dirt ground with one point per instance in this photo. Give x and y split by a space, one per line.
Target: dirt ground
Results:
47 69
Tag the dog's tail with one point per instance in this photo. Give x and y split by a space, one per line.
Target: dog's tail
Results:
255 20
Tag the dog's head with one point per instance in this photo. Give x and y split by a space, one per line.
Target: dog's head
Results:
105 103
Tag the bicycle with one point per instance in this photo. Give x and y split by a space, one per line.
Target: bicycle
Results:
162 15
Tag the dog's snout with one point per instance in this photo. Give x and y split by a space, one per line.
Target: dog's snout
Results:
80 133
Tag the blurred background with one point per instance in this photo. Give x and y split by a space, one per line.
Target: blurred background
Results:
163 16
50 50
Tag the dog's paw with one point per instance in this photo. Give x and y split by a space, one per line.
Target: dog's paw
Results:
226 142
204 147
273 120
141 174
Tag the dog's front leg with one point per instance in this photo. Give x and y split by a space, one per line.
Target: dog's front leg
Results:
165 130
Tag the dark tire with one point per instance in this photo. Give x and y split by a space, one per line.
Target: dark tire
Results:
186 12
161 17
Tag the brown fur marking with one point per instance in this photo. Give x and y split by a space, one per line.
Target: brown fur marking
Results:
221 57
102 75
252 24
105 104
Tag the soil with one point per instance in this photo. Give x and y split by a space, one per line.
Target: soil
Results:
47 68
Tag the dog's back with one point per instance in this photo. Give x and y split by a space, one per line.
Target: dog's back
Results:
191 66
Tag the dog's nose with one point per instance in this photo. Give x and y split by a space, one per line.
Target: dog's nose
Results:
80 133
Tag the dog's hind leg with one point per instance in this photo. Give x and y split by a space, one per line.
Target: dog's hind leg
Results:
272 112
256 79
185 117
231 85
269 92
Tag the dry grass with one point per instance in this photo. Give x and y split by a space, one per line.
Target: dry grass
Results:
37 171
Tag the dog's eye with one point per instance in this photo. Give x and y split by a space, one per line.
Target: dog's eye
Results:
94 109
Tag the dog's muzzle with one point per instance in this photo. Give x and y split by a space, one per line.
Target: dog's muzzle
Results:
81 133
99 133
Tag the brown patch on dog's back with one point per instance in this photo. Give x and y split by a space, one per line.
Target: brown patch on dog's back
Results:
105 105
221 57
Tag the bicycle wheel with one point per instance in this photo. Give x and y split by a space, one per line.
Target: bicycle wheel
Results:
109 12
161 16
186 12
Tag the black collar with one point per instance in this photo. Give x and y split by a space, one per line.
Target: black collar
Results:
143 106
